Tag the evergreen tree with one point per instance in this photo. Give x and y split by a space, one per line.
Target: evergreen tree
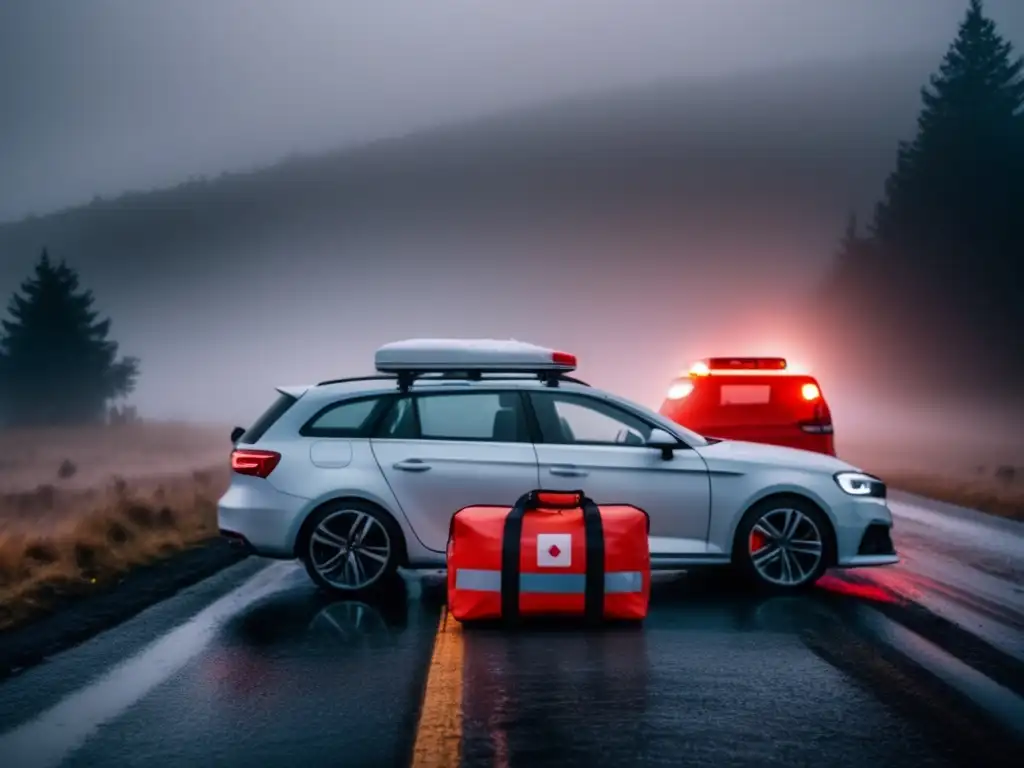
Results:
950 227
850 262
854 248
850 296
57 365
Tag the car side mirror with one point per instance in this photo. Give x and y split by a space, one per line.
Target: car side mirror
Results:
663 441
237 433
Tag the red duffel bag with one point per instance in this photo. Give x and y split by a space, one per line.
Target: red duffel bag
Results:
553 553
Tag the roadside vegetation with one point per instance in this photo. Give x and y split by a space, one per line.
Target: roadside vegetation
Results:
994 491
71 533
87 491
980 472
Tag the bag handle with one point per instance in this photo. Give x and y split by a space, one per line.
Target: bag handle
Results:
512 547
553 499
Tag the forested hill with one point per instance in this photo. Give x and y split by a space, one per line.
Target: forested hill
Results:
805 142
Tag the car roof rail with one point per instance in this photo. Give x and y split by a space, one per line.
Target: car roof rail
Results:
376 377
405 379
547 377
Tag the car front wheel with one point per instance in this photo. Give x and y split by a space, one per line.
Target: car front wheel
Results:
351 548
783 544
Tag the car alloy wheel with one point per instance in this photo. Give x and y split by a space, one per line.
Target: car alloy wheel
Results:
350 550
785 547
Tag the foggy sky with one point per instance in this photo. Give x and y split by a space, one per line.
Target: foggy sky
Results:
100 96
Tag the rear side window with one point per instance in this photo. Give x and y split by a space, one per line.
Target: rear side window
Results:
400 422
477 416
459 417
276 410
348 418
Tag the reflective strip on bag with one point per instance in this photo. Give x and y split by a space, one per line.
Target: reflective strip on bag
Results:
617 582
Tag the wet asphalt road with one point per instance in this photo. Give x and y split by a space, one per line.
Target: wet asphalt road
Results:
253 667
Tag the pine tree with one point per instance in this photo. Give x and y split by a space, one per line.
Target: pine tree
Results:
853 247
951 222
57 365
850 295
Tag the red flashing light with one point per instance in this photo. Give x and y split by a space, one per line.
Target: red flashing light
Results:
700 368
563 358
254 463
746 363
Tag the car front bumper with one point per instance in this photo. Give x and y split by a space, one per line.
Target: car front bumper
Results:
864 534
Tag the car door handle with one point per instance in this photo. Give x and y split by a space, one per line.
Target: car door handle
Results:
412 465
567 470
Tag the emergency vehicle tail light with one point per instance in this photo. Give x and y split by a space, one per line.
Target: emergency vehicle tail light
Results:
810 392
679 390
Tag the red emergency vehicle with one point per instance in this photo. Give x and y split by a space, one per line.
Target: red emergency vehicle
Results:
757 399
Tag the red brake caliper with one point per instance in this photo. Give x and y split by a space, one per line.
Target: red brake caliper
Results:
757 541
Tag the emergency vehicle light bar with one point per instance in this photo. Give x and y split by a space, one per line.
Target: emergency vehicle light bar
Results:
472 357
732 364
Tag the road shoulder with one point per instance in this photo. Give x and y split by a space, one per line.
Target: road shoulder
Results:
80 619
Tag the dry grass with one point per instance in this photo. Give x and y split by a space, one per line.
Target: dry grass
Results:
1005 499
975 472
137 493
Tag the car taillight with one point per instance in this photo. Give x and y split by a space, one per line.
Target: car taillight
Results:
679 390
810 392
254 463
821 424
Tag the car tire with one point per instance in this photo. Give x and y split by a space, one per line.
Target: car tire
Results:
368 564
783 544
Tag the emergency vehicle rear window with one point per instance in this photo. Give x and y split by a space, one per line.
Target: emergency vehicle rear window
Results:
745 394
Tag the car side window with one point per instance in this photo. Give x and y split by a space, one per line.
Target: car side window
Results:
571 419
400 422
349 418
477 416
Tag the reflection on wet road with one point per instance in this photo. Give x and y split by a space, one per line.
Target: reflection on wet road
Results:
255 667
702 684
967 568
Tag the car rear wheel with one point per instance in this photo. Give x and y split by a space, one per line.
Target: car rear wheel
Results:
783 544
351 548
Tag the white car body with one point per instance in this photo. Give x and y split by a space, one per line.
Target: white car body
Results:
696 494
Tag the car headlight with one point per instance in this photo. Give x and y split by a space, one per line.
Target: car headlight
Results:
861 484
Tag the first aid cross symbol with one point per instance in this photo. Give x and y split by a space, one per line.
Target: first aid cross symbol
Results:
554 550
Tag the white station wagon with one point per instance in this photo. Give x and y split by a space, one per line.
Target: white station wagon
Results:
359 477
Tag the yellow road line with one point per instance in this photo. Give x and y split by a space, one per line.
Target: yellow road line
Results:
439 730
